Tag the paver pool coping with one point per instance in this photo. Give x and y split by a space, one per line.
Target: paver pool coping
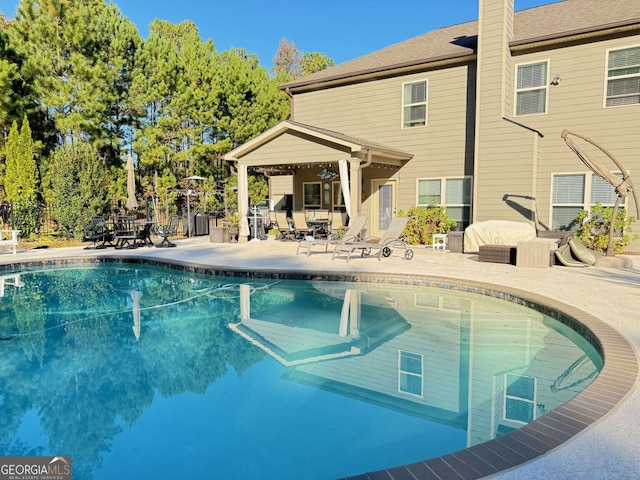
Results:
544 434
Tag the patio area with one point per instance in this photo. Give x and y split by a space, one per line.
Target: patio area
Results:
606 449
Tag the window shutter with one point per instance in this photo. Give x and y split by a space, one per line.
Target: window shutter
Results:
568 189
458 191
602 191
532 76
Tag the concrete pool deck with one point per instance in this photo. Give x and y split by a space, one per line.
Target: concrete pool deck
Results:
607 449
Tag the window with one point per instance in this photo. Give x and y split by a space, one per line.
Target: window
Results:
519 397
531 89
623 77
452 193
414 104
574 192
410 373
312 194
338 198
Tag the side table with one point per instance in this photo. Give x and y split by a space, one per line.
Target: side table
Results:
439 241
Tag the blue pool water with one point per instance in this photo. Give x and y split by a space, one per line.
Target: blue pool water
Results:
145 372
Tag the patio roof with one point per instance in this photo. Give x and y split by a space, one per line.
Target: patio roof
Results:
356 146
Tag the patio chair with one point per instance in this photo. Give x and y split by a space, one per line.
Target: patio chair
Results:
98 233
125 232
391 238
168 230
285 227
353 235
300 224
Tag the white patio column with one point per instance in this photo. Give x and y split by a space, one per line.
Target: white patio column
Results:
243 202
355 187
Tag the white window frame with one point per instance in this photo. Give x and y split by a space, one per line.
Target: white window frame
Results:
443 192
311 205
587 202
607 78
506 397
410 374
425 103
544 86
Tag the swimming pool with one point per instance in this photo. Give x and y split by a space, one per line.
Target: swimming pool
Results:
137 371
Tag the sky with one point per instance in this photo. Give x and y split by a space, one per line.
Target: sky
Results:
343 30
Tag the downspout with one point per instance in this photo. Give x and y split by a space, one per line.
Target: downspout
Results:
291 102
537 136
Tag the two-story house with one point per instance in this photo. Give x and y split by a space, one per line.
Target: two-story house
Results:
469 115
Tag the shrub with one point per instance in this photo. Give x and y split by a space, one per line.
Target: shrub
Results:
594 228
424 222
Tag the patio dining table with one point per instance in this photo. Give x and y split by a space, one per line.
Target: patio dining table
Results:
318 227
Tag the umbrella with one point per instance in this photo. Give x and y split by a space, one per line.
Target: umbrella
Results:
623 186
132 202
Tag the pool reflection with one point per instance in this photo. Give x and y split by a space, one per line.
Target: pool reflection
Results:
477 363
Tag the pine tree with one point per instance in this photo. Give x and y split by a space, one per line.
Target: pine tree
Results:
11 170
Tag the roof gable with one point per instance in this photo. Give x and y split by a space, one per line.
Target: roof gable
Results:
353 144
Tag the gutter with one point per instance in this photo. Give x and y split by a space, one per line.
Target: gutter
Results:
576 35
380 72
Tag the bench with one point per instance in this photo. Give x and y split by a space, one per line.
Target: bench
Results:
9 238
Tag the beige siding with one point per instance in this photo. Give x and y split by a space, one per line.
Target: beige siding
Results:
373 111
577 104
294 149
279 186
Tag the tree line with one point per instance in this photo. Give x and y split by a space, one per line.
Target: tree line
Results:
80 91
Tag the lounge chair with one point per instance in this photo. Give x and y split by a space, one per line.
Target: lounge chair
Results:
352 235
391 238
168 230
285 227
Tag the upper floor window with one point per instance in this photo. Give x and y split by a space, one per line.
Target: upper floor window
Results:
414 104
531 88
623 77
452 193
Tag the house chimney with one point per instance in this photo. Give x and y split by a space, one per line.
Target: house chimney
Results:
495 32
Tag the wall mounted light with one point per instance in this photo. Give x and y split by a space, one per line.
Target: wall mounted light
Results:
556 80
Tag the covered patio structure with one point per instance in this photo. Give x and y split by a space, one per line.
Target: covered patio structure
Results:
313 157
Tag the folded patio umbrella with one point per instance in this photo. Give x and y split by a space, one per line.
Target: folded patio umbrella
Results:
132 202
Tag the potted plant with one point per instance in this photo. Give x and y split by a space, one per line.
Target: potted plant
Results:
273 234
233 227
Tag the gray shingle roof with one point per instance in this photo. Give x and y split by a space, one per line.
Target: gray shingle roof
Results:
555 20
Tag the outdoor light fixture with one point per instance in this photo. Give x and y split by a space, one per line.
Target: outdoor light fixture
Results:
556 80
